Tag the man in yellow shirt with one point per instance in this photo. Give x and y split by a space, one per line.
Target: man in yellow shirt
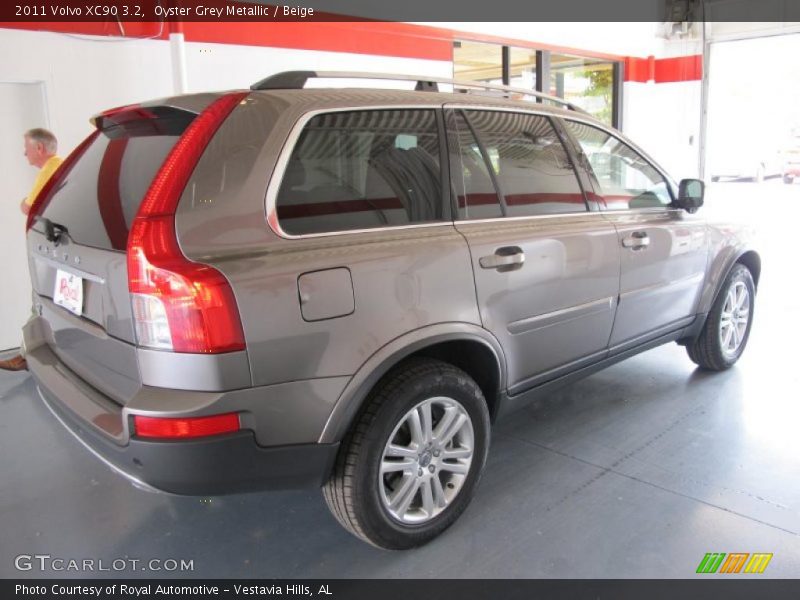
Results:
40 150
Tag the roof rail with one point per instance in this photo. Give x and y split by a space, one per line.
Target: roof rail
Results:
296 80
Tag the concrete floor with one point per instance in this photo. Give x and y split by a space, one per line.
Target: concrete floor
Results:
637 471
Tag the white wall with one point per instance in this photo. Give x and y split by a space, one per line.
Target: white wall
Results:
84 76
223 66
20 103
623 39
664 120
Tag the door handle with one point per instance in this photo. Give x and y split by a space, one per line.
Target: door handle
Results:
507 258
636 241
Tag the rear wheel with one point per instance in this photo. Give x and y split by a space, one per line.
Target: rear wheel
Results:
727 327
408 468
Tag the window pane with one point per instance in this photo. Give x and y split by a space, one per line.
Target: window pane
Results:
522 66
626 179
586 82
476 61
529 162
363 169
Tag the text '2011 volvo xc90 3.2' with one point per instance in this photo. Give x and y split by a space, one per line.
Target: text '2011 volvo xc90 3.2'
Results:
343 288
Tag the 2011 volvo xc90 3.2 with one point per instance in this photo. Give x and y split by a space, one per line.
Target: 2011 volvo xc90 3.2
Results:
343 288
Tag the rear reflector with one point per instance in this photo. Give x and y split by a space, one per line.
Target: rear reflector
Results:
178 304
156 427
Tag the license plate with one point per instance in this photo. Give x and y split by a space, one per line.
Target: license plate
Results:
69 292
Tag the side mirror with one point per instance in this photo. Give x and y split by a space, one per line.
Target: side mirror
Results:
690 195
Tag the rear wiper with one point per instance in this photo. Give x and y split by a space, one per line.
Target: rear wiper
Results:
52 230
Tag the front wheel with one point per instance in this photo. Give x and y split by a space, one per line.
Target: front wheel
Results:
727 327
408 468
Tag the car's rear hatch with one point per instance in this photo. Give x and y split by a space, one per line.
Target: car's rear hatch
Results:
89 214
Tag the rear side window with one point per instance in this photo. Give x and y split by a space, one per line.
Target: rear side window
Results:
513 165
362 170
101 194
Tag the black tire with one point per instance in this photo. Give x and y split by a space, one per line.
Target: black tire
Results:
353 493
707 350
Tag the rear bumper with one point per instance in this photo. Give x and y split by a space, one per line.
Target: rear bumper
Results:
211 465
217 465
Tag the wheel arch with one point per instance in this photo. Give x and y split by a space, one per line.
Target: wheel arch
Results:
744 256
752 261
466 346
748 258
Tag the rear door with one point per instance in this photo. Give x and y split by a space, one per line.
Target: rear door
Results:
664 249
80 281
546 266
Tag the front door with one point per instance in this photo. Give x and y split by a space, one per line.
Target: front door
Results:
664 249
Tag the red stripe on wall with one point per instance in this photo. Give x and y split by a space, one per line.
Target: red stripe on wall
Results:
664 70
107 28
364 37
360 37
638 69
679 68
375 38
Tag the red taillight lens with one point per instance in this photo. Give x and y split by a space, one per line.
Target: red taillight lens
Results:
195 300
43 199
156 427
178 304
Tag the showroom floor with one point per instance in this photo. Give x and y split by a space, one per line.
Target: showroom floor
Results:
637 471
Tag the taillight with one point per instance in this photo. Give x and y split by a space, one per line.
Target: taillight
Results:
178 304
192 427
43 198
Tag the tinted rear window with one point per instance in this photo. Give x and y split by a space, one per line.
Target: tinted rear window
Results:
101 194
361 170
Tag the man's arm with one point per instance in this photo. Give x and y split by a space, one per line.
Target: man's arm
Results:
24 206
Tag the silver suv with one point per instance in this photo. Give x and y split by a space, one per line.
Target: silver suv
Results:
343 288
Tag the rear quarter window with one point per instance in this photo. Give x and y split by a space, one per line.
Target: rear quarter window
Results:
362 170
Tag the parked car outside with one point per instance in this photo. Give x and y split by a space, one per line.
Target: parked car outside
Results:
791 157
744 159
344 288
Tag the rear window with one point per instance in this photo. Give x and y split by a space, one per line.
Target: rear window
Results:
101 194
362 170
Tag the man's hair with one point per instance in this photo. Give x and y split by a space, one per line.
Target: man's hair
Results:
44 137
